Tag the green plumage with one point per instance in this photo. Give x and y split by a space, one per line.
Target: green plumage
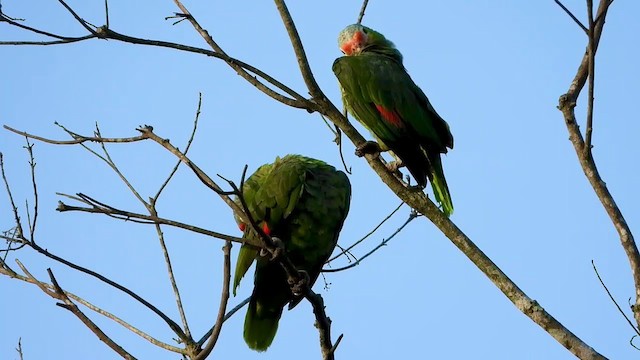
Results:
304 203
378 92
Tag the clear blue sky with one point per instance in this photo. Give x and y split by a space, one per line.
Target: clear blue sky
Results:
493 69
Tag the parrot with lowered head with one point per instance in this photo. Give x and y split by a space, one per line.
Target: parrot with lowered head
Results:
303 202
380 94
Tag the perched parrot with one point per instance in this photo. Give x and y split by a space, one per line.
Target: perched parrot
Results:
303 202
378 92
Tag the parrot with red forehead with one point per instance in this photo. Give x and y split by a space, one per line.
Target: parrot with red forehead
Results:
303 202
380 94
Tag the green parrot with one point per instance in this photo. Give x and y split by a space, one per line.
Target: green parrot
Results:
303 202
378 92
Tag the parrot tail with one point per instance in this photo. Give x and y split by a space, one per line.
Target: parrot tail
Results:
439 185
260 325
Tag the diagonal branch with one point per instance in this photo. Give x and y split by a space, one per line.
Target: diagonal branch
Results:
421 203
71 306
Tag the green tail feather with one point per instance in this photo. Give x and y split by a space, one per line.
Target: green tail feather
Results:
260 326
440 188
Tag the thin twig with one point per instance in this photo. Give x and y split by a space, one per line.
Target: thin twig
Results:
225 318
224 299
78 139
77 17
153 212
384 242
14 208
32 166
613 299
19 349
368 234
106 13
73 308
362 9
592 64
172 279
584 28
298 100
151 220
186 149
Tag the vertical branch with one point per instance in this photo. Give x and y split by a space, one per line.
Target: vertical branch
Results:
32 165
224 299
567 104
362 10
172 279
592 58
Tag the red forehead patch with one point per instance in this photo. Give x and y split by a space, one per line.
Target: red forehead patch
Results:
357 42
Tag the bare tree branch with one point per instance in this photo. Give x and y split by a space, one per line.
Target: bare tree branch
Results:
567 104
584 28
368 234
71 306
225 318
224 299
323 323
148 219
592 64
613 299
6 270
425 206
19 349
384 242
362 10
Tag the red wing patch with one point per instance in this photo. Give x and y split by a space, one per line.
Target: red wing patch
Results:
242 226
391 116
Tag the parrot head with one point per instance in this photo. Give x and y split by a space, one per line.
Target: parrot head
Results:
356 39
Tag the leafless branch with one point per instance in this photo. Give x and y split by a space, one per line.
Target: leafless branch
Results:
225 318
73 308
77 17
186 149
77 139
224 298
613 299
243 69
19 349
592 64
384 242
32 166
6 270
362 10
323 323
153 212
584 28
370 232
421 203
567 104
96 207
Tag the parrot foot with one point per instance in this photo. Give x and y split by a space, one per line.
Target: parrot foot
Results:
368 147
394 167
299 287
277 251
